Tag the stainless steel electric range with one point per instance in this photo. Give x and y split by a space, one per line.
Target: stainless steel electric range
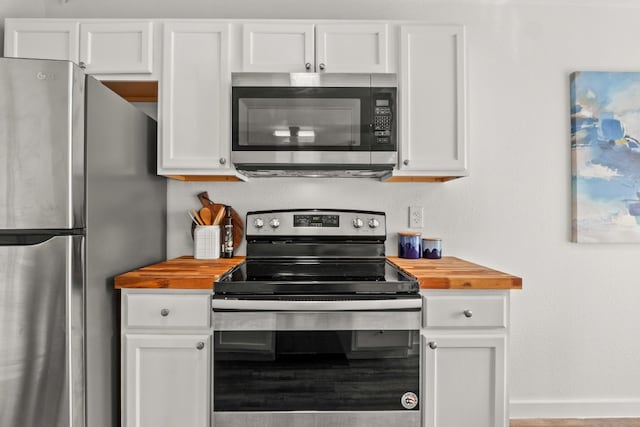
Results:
316 328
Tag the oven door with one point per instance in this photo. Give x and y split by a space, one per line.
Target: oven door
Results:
316 368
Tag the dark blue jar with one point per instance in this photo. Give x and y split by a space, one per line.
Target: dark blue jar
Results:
409 245
432 248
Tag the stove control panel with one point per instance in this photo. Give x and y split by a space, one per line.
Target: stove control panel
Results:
316 222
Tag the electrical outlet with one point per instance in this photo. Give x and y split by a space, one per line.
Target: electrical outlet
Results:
416 217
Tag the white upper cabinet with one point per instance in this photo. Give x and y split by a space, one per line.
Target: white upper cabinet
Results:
192 60
100 46
300 47
116 47
432 96
352 48
42 39
194 100
270 47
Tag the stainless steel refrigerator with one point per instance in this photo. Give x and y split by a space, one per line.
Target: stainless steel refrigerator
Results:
79 204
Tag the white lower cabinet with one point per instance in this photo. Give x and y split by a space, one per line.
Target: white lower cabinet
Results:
464 367
167 380
167 350
166 358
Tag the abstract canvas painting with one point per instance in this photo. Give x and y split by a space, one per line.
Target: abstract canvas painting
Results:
605 145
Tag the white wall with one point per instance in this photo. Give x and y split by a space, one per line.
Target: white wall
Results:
574 343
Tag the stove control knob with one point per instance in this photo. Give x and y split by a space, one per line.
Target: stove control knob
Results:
274 223
258 223
358 223
374 223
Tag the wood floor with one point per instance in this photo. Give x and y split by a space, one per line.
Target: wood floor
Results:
608 422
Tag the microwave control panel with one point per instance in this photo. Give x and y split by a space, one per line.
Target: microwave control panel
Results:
383 120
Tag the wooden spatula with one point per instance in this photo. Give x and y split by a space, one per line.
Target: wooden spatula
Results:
206 216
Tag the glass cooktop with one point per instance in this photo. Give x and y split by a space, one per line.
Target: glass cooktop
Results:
315 276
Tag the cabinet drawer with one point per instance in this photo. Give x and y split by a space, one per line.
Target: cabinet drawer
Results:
167 310
487 311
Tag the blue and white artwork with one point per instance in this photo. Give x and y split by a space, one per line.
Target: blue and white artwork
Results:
605 144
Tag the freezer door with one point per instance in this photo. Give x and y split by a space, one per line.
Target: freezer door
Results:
41 144
41 332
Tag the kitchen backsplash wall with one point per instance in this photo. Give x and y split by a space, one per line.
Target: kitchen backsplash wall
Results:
281 193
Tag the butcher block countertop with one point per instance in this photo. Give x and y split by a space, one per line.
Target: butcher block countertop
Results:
445 273
454 273
178 273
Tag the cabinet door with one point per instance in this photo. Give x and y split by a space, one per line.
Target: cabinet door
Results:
166 380
116 47
42 39
464 381
432 96
277 47
194 99
352 48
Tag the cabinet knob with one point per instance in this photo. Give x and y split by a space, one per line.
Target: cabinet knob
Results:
223 160
164 312
200 345
82 65
322 66
307 65
467 313
433 345
406 162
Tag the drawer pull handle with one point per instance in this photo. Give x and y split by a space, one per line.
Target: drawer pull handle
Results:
467 313
200 345
164 312
433 345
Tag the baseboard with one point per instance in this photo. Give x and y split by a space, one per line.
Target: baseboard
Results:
591 408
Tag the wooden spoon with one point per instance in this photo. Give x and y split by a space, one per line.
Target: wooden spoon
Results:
205 216
219 215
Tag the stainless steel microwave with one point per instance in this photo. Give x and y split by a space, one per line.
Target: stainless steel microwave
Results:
308 124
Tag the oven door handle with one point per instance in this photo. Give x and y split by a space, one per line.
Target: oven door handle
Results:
287 305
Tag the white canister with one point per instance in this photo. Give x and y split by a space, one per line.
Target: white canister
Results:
206 242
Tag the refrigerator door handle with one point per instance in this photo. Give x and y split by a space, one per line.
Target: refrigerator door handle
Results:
24 239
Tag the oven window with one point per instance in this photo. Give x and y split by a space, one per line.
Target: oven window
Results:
315 370
299 122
